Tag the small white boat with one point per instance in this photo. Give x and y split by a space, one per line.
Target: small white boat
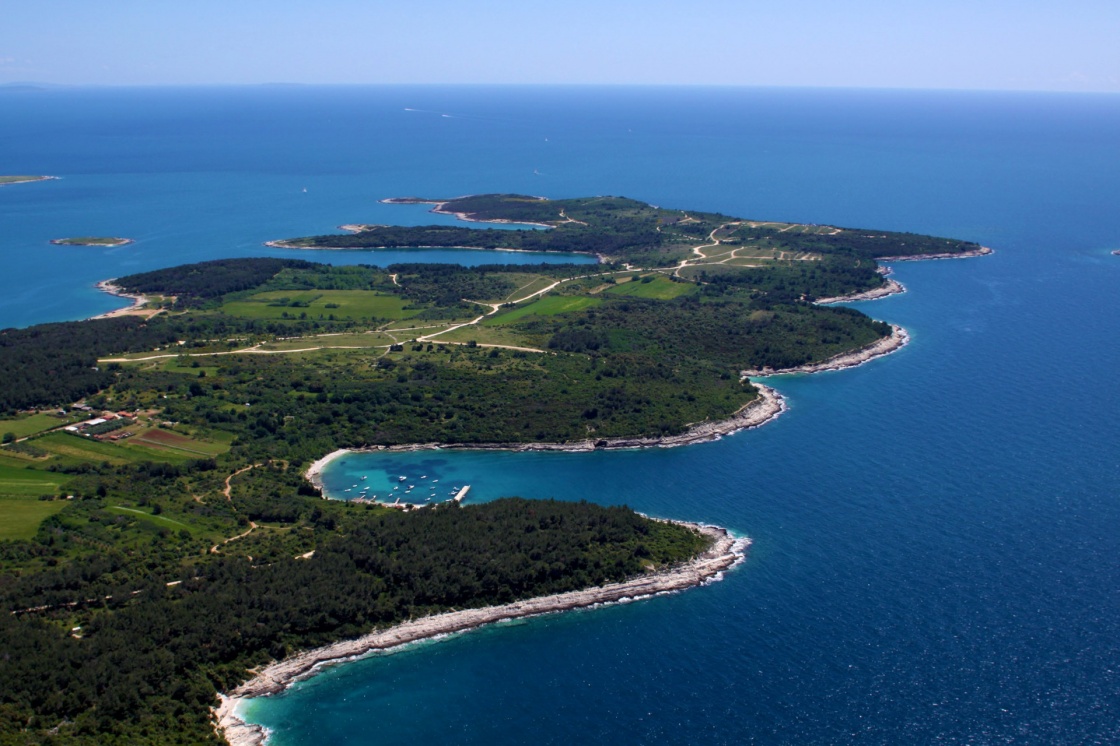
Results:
365 478
401 479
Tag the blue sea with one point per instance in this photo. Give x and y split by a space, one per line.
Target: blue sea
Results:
936 534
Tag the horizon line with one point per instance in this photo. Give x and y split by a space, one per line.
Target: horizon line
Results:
280 84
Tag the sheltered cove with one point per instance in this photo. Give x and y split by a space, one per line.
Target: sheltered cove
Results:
766 407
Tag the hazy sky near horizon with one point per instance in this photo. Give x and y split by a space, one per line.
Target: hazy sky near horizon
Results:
965 44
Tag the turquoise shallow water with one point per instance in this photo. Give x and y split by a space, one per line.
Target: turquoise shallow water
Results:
935 533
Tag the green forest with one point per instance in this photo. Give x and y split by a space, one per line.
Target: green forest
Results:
141 661
158 537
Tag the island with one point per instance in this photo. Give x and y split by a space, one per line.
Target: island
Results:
5 180
169 538
105 241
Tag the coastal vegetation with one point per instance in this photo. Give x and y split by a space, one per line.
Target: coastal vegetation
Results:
158 537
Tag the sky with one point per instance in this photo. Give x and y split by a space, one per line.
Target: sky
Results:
1072 45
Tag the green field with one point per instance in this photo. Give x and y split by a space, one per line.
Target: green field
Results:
660 288
527 284
78 448
493 335
342 304
20 518
176 365
419 327
21 427
550 305
20 482
14 460
145 452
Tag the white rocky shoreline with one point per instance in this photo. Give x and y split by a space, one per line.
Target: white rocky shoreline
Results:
110 287
725 551
889 287
897 339
982 251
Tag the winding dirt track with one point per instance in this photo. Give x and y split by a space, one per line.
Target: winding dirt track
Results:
229 487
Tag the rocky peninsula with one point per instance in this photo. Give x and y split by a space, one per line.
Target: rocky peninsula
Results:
889 287
897 339
724 552
969 254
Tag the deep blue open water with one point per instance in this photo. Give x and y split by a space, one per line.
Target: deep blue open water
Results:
936 533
